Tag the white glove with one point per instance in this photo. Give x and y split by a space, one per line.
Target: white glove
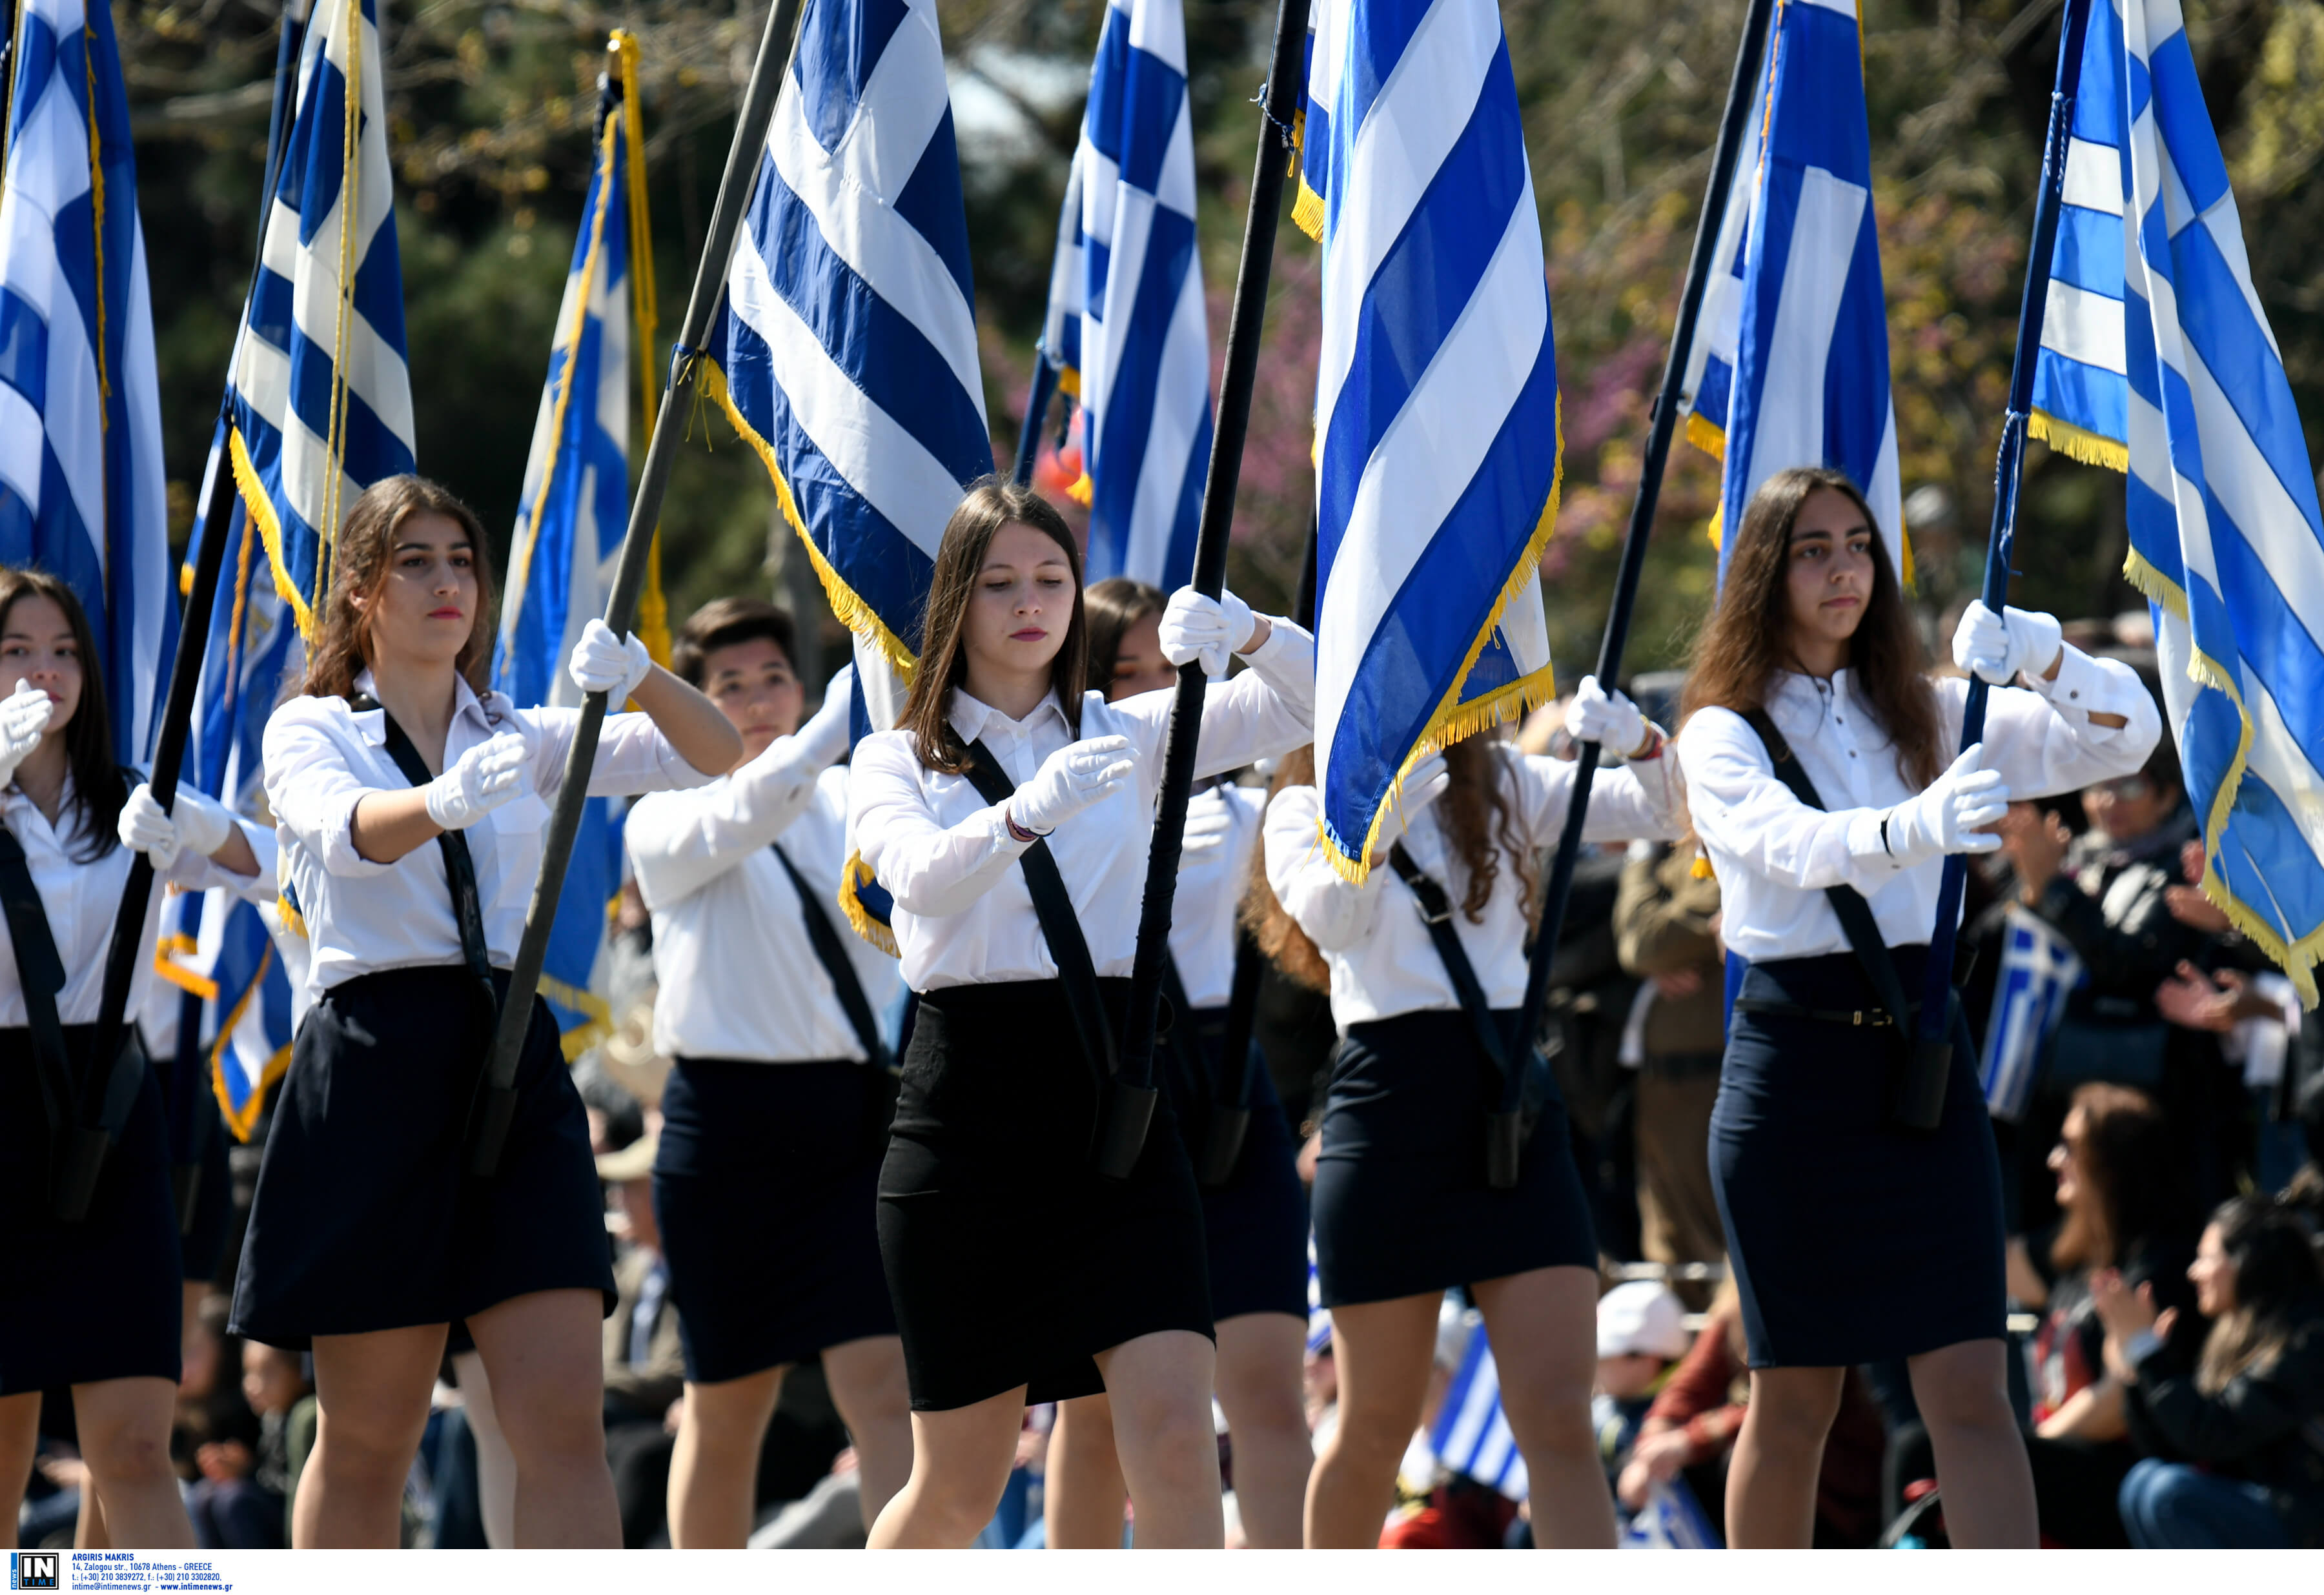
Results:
1424 786
1611 721
199 823
602 662
1951 814
1069 780
1206 833
1998 647
23 721
1212 629
484 778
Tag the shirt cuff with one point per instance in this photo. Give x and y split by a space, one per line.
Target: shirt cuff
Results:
1286 660
1864 843
2082 683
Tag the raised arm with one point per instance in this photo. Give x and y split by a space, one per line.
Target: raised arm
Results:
1335 913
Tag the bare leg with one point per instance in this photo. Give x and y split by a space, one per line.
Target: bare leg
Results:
89 1533
868 1386
1084 1492
20 1442
544 1353
1259 1384
1382 1351
1160 1386
371 1399
1771 1484
713 1472
959 1465
1544 1326
1963 1394
124 1439
495 1468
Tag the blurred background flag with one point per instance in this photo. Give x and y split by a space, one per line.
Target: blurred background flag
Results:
1710 358
82 492
321 398
1125 319
1472 1434
846 351
2038 969
2186 390
1436 404
1810 369
576 507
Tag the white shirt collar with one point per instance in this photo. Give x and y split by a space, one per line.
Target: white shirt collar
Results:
971 717
371 724
1799 703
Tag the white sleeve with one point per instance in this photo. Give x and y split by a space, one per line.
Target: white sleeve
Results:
930 870
312 791
1268 710
2042 740
681 842
1335 914
1740 808
633 755
195 871
1629 802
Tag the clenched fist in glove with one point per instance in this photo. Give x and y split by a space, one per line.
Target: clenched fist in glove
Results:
1069 780
23 721
198 822
487 776
1609 720
602 662
1423 784
1951 814
1212 629
1998 647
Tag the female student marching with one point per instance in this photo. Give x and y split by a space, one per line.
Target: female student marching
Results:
1255 1219
410 801
1018 1270
1853 1237
773 1119
95 1303
1405 1204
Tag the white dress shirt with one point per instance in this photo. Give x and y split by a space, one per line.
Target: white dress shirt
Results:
81 900
963 914
1774 855
1372 937
1210 892
737 977
322 757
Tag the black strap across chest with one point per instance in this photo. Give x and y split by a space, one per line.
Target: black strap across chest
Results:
459 864
40 975
823 936
1436 912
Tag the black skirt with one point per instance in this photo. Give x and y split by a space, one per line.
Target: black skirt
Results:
100 1298
1255 1225
765 1186
367 1217
1011 1260
1852 1240
1401 1207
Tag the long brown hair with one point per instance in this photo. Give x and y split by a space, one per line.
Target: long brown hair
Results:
2279 1287
990 504
1262 913
98 789
1479 820
2125 1174
341 649
1114 606
1749 640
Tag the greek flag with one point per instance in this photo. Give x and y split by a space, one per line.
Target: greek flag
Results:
1710 358
2226 536
81 484
1436 399
1671 1520
1807 375
321 398
1126 312
2038 970
846 351
1471 1433
574 508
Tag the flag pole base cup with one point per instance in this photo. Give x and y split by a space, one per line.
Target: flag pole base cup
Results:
1222 1146
495 1108
1128 1111
1504 1141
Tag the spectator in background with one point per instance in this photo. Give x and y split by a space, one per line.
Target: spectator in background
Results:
645 1361
2121 1209
2231 1457
1667 933
1641 1336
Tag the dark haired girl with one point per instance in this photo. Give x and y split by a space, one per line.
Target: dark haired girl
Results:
993 1135
1855 1240
368 1236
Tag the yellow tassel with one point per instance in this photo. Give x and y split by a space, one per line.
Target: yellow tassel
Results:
856 876
180 976
1707 435
245 1121
1701 869
292 920
1069 382
2075 443
269 531
1308 212
597 1024
1082 492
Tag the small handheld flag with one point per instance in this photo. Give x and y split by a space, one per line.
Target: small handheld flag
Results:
2038 971
1472 1434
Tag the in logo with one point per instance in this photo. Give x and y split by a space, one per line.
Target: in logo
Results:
35 1570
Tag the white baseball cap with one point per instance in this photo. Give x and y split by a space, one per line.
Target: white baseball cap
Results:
1641 1318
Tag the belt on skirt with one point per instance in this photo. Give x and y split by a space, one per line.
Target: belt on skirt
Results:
1873 1018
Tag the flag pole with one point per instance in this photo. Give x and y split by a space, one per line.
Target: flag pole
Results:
1037 410
1921 1101
496 1100
90 1138
1130 1105
1751 51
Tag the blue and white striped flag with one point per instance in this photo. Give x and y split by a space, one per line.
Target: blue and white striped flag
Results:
2038 970
1671 1520
1319 1316
2226 536
1809 385
1472 1434
1126 323
321 397
1710 358
82 494
1436 399
846 351
572 511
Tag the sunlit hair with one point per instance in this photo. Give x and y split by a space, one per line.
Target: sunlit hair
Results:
722 623
2279 1288
341 648
1114 606
1262 913
1480 822
2125 1178
97 788
990 504
1749 640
